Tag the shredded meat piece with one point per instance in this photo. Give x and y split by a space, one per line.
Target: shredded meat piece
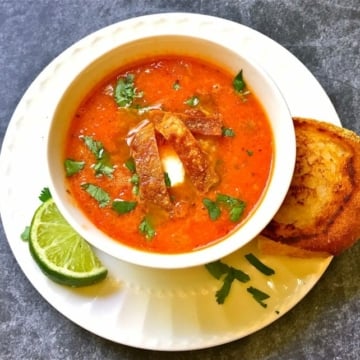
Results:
144 150
196 162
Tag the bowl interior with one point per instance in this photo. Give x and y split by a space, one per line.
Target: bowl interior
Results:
260 83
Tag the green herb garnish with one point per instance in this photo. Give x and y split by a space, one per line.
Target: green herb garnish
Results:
146 228
212 208
239 83
235 206
130 165
258 295
103 165
192 101
228 274
250 152
227 132
123 207
45 194
96 192
72 167
167 179
125 91
253 260
176 85
25 235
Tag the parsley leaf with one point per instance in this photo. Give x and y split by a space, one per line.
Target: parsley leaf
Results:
96 192
123 207
146 228
212 208
125 91
258 295
192 101
72 167
45 194
254 261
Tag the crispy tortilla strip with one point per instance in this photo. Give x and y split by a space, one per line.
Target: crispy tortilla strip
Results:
196 121
196 162
144 150
321 209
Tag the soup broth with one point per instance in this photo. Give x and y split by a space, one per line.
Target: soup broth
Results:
169 154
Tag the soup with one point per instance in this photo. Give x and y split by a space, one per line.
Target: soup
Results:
169 155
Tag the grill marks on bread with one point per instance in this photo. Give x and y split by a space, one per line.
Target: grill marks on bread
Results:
320 211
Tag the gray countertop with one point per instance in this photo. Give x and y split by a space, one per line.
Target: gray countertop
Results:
324 35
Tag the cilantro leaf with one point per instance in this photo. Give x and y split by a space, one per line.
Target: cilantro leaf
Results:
123 207
96 147
217 269
146 228
176 85
25 235
253 260
45 194
167 179
224 291
227 132
125 91
96 192
72 167
235 206
130 165
239 83
212 208
192 101
258 295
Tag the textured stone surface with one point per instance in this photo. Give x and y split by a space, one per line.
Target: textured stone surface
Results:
324 35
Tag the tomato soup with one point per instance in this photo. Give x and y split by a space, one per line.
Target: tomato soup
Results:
169 154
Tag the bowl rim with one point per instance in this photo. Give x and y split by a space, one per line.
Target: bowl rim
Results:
270 200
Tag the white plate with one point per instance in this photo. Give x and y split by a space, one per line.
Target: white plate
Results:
149 308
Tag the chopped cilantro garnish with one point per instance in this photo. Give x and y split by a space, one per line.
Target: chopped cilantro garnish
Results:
103 165
254 261
25 235
212 208
125 91
218 269
96 192
239 83
45 194
235 206
227 132
176 85
192 101
250 152
167 179
146 228
258 295
130 165
72 167
123 207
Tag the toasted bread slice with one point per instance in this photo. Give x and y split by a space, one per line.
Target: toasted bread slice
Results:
320 212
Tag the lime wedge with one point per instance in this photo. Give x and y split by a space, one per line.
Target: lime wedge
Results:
61 253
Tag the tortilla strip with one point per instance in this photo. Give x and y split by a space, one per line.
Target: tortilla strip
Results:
196 121
196 162
144 150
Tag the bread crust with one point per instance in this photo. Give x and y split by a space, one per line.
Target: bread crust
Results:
320 212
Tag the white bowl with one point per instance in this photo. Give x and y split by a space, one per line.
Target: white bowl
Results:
104 60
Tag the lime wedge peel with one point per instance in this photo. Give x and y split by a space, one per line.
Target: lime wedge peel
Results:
60 252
